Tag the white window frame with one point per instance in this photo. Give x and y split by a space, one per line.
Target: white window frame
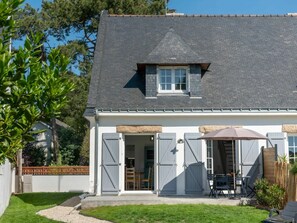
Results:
172 68
294 158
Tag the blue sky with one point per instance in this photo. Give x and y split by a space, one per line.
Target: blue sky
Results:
234 6
224 6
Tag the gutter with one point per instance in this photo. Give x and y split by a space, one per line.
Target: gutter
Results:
193 114
96 155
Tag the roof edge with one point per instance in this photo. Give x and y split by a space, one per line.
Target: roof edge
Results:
198 110
209 15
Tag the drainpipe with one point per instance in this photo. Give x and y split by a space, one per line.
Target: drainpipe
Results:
96 153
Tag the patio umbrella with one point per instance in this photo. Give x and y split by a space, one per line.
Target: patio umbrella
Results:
234 133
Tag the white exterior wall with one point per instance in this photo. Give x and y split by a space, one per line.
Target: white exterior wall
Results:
6 174
181 124
60 183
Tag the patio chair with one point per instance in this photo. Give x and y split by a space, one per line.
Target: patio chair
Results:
210 180
221 184
288 215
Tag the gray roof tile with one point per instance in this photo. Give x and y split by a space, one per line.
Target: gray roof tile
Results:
171 50
253 61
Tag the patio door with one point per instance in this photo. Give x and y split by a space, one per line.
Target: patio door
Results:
110 163
192 163
167 163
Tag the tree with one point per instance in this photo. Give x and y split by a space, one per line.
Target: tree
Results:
30 89
74 26
63 19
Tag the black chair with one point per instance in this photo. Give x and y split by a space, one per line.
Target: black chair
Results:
221 184
288 215
210 180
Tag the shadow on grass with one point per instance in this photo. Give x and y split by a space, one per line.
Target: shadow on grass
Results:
44 199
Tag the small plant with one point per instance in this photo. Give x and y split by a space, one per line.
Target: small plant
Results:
271 196
293 169
282 159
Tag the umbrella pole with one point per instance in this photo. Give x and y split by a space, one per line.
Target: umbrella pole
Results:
234 171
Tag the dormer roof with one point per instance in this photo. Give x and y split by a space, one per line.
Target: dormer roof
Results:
173 50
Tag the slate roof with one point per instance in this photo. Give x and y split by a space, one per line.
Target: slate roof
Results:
253 61
172 49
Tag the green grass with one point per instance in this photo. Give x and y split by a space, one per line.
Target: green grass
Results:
177 213
22 208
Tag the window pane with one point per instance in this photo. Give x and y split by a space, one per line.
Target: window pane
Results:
165 79
291 151
180 79
295 140
291 140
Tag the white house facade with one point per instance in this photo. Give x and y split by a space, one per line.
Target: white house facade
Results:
184 130
161 82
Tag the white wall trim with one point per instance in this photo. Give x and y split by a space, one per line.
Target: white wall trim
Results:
188 114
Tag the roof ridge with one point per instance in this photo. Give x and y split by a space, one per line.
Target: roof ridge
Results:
209 15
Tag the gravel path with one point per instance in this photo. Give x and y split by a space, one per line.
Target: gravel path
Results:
66 212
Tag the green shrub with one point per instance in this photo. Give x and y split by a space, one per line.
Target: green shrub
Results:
271 196
293 169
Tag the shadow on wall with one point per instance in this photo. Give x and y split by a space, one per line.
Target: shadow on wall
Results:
192 176
253 173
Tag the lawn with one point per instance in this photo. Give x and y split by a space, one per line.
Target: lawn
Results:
178 213
22 208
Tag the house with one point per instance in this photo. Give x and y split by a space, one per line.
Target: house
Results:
160 82
44 139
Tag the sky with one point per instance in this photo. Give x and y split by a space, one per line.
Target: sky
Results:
225 7
212 7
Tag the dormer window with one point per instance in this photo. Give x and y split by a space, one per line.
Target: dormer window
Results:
173 68
172 80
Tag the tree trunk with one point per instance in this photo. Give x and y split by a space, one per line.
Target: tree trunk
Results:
20 170
55 140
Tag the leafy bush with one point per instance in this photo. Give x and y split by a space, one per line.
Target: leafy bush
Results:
70 155
34 155
293 169
70 146
271 196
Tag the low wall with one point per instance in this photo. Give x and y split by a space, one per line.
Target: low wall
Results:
6 175
56 183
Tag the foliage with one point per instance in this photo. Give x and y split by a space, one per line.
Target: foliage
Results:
69 146
34 155
271 196
282 159
178 213
72 113
84 152
73 25
30 88
23 207
60 19
293 169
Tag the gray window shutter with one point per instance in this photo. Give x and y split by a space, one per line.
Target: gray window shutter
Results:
110 163
277 138
167 163
250 160
193 164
